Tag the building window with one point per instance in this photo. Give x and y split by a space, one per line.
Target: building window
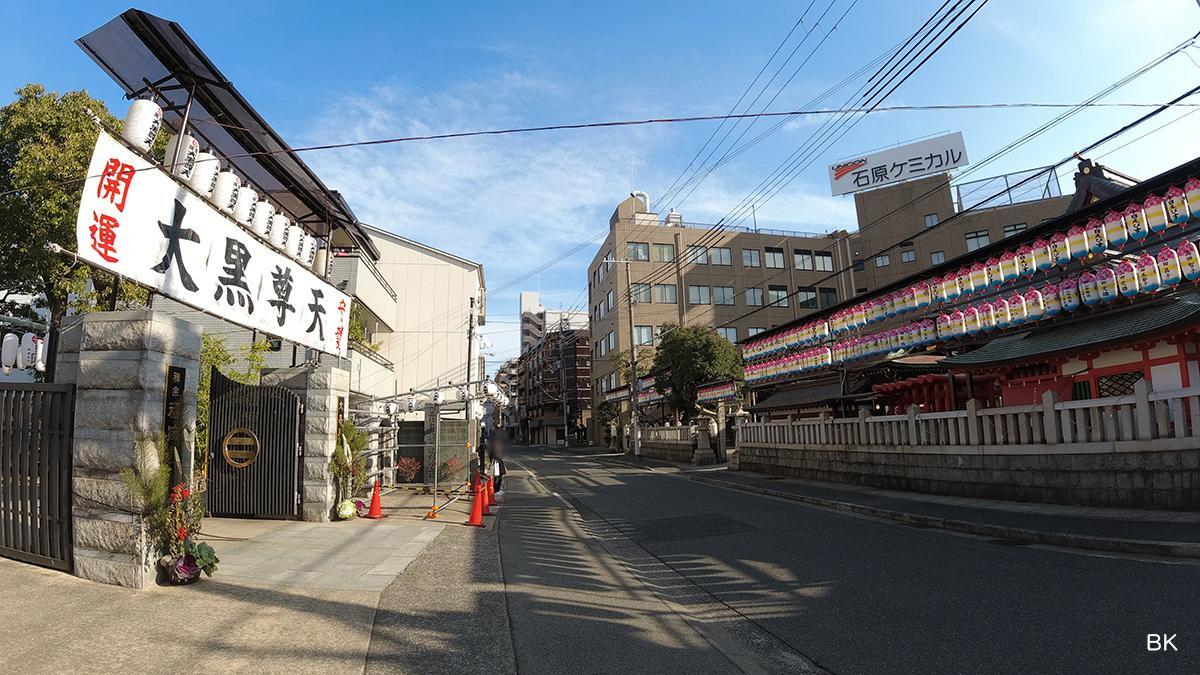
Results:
639 250
937 257
728 333
610 301
698 295
612 340
720 255
754 330
600 348
859 265
862 290
750 258
777 296
1010 230
824 260
754 297
1117 385
931 219
828 296
722 295
664 252
665 293
697 255
774 257
806 297
977 240
883 260
803 259
640 293
643 335
908 256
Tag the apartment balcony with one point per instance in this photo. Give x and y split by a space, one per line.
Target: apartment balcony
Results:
371 375
367 285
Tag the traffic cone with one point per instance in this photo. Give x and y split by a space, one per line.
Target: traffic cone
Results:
491 490
477 509
474 482
376 511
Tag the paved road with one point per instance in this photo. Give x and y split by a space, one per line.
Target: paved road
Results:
612 568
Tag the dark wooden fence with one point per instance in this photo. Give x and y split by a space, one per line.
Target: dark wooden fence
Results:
36 423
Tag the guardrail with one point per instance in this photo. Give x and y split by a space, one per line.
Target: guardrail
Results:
1144 420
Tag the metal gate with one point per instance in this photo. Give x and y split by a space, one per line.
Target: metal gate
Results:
254 448
36 424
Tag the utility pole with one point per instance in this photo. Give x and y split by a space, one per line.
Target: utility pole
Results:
635 387
470 358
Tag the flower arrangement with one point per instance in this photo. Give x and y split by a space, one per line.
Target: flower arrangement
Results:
172 513
407 468
348 466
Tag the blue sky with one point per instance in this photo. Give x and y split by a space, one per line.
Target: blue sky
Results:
321 73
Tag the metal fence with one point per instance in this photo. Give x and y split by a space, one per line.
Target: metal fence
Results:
36 426
1008 189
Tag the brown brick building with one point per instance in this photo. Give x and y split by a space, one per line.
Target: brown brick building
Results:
743 281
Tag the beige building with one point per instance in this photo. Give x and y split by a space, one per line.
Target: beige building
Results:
743 281
424 302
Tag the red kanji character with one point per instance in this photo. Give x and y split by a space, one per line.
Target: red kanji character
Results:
114 183
341 305
104 235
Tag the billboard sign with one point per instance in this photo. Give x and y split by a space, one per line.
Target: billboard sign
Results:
877 169
139 222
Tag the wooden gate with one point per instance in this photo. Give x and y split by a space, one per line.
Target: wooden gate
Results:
254 448
36 424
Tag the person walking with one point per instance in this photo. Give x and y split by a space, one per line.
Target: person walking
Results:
496 448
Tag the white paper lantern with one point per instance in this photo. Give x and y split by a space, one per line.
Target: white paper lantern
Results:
8 352
225 191
39 362
142 124
246 197
310 250
204 175
295 241
279 231
261 220
321 261
28 353
188 149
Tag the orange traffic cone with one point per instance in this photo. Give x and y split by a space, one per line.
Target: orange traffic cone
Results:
474 482
484 497
491 490
477 509
376 511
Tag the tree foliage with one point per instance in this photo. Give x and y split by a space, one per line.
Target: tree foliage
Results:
46 143
623 362
688 357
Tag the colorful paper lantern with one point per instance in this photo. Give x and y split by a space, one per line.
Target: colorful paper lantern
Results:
987 316
1060 249
1051 303
1035 306
1189 260
1016 309
1176 205
1106 284
1068 295
1026 265
966 282
1127 279
1135 222
1041 255
1192 188
1115 233
971 320
1008 266
995 272
936 291
1148 277
1077 238
1156 214
1003 312
950 287
921 296
1168 266
1089 289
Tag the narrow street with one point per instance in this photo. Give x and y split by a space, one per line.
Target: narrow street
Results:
612 568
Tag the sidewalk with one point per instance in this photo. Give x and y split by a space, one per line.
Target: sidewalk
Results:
288 596
1166 533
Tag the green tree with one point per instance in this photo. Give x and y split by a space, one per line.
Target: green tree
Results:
623 362
688 357
46 143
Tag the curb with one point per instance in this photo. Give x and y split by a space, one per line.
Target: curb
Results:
1172 549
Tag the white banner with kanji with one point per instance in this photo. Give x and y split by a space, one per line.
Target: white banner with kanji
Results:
137 221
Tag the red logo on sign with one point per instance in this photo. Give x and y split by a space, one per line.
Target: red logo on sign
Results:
843 169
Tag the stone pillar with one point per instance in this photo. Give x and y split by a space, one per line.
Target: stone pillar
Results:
118 362
325 390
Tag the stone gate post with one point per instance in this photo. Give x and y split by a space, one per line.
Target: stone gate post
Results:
119 362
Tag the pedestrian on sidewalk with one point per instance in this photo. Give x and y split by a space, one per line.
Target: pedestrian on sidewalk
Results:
497 449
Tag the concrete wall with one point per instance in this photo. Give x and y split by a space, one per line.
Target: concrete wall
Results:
118 362
1159 480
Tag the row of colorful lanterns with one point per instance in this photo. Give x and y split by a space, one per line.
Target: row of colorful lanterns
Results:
1148 274
1113 231
716 392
